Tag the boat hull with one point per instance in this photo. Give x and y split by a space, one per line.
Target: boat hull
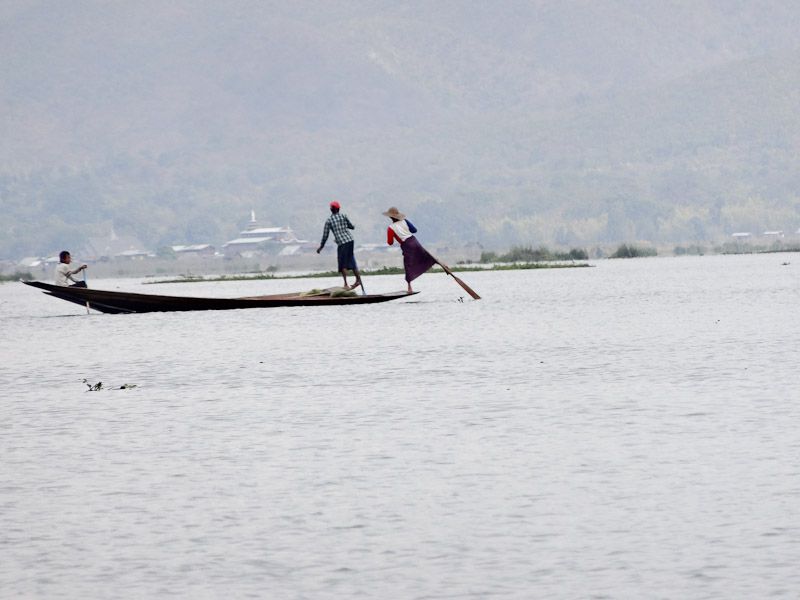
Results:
125 302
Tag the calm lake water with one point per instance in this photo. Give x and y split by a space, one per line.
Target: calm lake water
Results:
623 431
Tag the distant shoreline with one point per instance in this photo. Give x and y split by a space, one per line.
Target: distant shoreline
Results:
370 273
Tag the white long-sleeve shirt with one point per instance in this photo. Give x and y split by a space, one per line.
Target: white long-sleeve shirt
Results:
401 231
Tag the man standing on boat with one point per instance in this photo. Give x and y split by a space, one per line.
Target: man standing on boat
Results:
339 224
64 273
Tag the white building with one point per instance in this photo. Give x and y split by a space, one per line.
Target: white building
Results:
263 240
194 250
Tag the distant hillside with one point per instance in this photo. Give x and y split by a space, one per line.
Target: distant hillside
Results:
503 123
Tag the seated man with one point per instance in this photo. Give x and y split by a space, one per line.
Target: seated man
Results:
64 273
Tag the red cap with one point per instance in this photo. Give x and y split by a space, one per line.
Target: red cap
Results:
335 204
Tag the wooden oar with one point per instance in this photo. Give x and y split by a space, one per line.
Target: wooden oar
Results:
447 270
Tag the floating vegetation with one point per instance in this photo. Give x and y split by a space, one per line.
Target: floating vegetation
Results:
93 387
16 276
747 248
528 254
693 250
527 265
262 276
96 387
626 251
382 271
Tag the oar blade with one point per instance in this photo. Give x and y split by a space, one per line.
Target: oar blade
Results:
468 289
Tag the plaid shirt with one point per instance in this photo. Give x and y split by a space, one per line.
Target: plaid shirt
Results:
339 224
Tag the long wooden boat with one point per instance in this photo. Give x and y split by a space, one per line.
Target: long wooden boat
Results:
126 302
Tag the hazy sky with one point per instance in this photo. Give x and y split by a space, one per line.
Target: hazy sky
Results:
504 122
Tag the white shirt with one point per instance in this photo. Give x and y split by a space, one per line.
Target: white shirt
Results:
64 275
401 230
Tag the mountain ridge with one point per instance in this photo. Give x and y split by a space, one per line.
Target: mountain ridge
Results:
523 123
